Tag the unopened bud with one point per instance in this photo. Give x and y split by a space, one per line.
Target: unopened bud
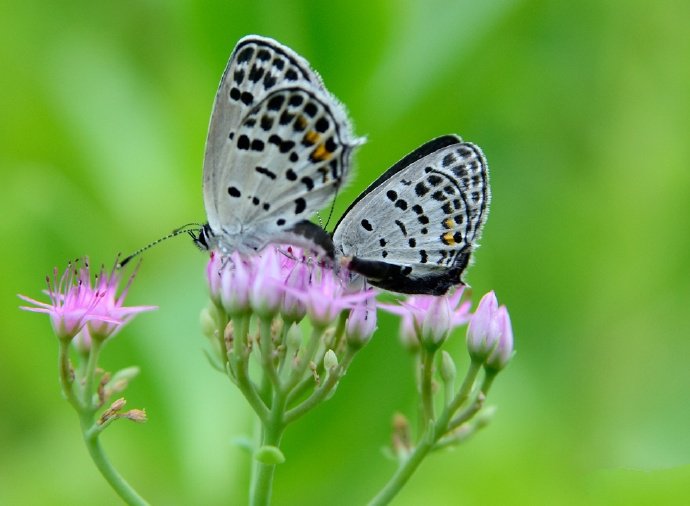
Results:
482 329
361 323
436 323
294 338
401 442
503 351
135 415
447 369
208 323
330 360
82 342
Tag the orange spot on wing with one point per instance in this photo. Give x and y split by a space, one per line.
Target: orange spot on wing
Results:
320 154
448 239
311 137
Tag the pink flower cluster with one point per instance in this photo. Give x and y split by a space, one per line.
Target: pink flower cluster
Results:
428 319
284 281
77 304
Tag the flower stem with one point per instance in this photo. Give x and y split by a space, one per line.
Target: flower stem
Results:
272 432
266 344
305 356
116 481
238 358
86 409
428 440
66 376
404 472
89 375
426 391
323 390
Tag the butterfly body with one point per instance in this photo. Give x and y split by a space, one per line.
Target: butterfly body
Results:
414 229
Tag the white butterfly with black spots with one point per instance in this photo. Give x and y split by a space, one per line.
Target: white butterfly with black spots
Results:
414 229
279 147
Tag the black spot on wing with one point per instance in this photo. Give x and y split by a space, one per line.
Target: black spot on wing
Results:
300 205
266 172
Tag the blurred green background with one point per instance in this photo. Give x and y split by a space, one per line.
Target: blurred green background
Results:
583 110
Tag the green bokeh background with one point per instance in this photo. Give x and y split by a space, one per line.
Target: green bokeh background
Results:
583 110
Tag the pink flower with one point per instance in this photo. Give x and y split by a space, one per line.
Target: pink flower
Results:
503 351
482 331
281 279
430 309
327 295
489 334
111 305
264 296
213 271
74 302
361 323
436 323
236 276
297 281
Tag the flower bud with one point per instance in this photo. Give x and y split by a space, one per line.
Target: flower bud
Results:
436 323
294 339
265 295
135 415
408 333
330 360
361 323
235 279
82 342
503 351
213 271
293 307
208 323
447 369
482 329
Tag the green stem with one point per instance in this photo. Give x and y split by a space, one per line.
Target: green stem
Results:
404 472
463 393
431 436
266 343
65 375
222 321
322 392
239 359
273 428
90 375
116 481
90 431
426 391
304 358
298 391
287 324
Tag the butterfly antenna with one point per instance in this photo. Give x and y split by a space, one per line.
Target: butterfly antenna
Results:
185 229
330 212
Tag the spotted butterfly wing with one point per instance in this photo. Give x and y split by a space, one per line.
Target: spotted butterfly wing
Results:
279 145
413 230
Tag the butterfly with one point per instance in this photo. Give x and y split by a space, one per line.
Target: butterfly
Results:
414 229
279 146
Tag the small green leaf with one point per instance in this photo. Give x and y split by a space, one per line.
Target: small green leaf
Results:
269 455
